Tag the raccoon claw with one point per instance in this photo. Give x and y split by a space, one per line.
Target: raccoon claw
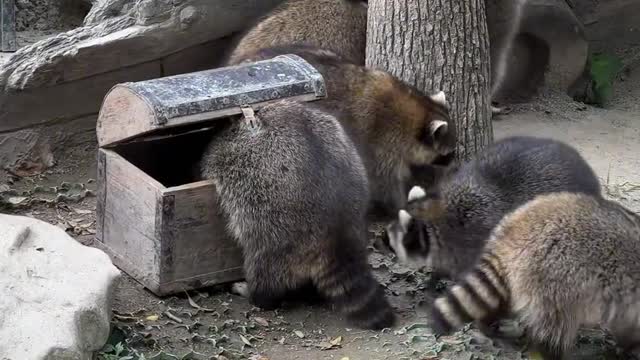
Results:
240 288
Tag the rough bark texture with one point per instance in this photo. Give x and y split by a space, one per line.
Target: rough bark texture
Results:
438 45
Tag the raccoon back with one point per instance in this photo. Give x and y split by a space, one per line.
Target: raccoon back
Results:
336 25
294 172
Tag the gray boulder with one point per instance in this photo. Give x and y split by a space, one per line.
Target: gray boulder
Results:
56 293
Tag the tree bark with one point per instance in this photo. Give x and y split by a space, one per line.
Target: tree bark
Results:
438 45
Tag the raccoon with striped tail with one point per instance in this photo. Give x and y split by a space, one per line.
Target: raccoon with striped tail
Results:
557 263
394 126
446 227
295 192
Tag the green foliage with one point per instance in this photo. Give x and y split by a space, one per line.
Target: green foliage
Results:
114 352
604 70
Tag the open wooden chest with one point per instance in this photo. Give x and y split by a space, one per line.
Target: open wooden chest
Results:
157 220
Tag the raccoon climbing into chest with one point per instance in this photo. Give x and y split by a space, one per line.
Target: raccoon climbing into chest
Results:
559 262
445 228
295 194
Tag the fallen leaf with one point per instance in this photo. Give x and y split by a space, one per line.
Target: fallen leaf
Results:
153 317
337 341
245 341
299 334
82 211
17 200
345 358
261 321
173 317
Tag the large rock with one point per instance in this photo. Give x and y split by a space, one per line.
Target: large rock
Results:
56 293
550 50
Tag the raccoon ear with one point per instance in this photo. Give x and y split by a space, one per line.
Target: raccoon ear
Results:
416 193
439 98
438 129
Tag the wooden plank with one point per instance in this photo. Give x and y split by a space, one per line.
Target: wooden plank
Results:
198 250
8 25
101 193
135 108
129 219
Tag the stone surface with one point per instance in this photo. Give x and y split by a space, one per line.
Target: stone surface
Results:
551 50
56 293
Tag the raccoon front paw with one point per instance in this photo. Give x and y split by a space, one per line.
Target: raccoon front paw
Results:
240 288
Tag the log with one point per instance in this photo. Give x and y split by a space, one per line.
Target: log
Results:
118 34
137 108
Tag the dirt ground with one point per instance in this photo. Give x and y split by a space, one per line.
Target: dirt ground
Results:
212 322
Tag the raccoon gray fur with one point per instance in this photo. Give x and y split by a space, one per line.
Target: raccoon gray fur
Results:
557 263
446 227
295 194
336 25
394 126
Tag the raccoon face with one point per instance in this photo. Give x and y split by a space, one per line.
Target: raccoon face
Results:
409 239
415 238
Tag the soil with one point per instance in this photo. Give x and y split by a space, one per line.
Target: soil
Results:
212 322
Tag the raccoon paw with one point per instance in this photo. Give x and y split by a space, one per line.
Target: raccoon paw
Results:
240 288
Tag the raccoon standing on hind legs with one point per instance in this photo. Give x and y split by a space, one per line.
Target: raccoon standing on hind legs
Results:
559 262
295 193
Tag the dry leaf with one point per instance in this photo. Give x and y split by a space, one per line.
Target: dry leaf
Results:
299 334
245 340
152 317
82 212
345 358
337 341
261 321
196 306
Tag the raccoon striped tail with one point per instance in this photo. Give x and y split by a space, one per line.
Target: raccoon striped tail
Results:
481 295
351 287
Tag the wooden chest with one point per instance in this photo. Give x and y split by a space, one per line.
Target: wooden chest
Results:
159 223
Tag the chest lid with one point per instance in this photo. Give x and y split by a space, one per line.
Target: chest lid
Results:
134 109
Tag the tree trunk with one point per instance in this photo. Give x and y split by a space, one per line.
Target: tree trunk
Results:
438 45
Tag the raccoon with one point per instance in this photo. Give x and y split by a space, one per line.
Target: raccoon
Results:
336 25
295 194
446 227
393 125
557 263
